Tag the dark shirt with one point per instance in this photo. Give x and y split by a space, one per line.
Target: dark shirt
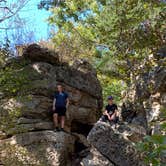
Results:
61 99
111 108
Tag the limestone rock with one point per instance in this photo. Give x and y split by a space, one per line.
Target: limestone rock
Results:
132 132
158 129
29 136
36 53
2 135
43 72
146 96
95 158
114 146
84 66
47 147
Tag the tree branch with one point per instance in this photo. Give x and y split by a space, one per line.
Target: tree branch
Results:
7 8
13 13
8 28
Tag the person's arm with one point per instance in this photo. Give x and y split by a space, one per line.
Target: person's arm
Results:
54 102
67 102
107 114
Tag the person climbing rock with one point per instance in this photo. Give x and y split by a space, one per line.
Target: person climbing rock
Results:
111 112
60 105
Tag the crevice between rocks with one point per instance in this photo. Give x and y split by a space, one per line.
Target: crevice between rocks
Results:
80 151
80 128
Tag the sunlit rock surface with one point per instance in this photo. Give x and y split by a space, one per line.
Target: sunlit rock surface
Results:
145 100
32 131
116 144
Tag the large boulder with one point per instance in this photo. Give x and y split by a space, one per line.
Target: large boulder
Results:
40 54
95 158
42 73
116 145
25 113
39 148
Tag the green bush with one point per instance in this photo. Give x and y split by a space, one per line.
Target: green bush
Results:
154 147
111 87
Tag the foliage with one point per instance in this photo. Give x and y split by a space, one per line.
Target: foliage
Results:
4 52
154 147
112 67
111 87
12 79
8 119
47 4
127 29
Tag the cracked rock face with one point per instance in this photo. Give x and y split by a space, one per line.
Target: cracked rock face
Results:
41 148
147 95
43 74
32 130
95 158
114 145
30 140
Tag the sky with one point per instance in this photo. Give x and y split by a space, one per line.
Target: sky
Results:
35 22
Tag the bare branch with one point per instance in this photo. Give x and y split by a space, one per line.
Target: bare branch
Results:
7 8
8 28
12 13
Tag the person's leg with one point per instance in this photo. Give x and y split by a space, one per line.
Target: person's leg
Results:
103 118
62 122
62 118
55 120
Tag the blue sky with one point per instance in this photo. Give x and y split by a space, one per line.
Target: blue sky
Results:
35 21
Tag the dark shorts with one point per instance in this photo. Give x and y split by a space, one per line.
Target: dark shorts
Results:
61 111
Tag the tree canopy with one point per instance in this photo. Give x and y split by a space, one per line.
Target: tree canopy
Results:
125 29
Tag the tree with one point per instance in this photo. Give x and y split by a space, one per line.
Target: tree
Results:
9 10
114 35
128 30
154 146
47 4
22 33
12 25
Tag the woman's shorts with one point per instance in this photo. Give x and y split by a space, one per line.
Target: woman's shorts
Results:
61 111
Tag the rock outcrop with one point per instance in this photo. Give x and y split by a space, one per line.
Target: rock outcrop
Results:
40 148
95 158
145 100
26 131
117 144
41 71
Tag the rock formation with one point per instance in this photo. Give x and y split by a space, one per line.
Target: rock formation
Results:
117 144
29 138
32 130
146 97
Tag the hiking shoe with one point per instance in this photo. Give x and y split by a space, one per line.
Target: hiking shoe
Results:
62 129
56 129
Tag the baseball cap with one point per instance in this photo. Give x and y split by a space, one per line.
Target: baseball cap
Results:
110 98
